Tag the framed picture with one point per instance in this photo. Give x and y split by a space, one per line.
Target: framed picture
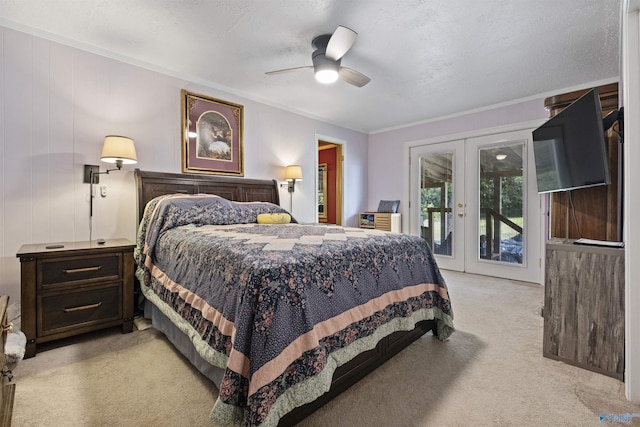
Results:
212 132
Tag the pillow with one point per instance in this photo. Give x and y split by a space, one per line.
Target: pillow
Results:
274 218
388 206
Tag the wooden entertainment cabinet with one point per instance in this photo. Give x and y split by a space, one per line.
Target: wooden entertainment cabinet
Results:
584 285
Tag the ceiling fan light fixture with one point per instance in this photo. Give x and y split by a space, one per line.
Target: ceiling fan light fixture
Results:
327 57
326 76
325 69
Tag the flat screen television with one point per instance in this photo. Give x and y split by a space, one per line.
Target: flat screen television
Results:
570 150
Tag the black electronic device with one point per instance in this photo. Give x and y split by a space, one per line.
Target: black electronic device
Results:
570 149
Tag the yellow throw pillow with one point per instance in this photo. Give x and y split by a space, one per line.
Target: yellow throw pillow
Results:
274 218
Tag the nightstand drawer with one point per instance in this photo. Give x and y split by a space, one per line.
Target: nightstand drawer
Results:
63 271
79 308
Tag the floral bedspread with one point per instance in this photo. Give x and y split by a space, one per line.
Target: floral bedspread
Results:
280 306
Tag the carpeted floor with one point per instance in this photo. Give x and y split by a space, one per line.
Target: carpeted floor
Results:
490 373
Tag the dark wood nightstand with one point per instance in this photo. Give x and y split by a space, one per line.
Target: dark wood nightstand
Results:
70 288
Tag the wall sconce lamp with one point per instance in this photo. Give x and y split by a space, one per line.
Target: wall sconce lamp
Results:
119 150
291 174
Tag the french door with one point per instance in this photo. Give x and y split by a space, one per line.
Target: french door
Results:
475 201
437 204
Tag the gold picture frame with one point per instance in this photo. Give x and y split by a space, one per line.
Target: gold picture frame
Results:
212 135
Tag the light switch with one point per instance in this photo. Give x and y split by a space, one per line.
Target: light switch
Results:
103 190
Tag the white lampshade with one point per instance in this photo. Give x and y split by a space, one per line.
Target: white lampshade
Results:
119 150
293 172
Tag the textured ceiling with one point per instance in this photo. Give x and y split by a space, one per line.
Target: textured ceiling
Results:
426 59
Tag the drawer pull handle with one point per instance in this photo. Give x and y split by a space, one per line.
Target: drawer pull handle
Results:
82 307
81 270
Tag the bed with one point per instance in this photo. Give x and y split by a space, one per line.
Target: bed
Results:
282 317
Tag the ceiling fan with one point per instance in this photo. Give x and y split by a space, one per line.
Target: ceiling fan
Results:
326 58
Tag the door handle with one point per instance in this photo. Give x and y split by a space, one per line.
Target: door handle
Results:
460 214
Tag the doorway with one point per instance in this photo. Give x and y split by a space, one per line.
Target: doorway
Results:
329 183
475 202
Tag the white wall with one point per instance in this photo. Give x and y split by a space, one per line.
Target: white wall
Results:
56 105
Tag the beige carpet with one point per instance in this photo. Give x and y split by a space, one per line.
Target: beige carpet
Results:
490 373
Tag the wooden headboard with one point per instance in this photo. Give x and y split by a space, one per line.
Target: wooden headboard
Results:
154 184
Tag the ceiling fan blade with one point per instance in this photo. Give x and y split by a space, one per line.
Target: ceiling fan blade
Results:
286 70
353 77
340 42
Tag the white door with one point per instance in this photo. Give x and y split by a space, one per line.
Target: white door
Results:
504 211
475 202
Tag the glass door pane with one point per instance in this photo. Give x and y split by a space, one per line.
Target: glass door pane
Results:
436 201
501 193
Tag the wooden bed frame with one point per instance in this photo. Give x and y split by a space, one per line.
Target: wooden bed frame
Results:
153 184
